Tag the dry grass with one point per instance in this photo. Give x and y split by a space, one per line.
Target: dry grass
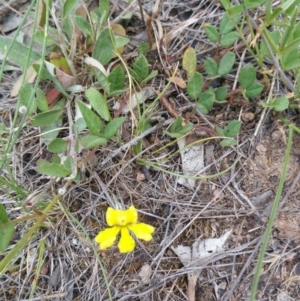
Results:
66 267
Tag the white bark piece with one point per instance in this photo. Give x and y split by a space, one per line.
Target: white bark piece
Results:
200 249
145 273
192 161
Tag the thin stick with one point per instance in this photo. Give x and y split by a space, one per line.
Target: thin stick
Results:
142 13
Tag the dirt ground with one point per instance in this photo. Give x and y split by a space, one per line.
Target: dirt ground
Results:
69 269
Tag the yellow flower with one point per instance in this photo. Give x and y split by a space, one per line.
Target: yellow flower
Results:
123 221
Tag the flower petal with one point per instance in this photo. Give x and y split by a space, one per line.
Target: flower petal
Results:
121 217
107 237
126 243
142 231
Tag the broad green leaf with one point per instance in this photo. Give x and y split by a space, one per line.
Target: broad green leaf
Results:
229 38
92 121
226 63
221 93
290 60
53 169
6 235
121 41
152 74
104 49
219 131
18 53
91 141
55 159
212 33
83 25
280 104
50 132
247 76
104 9
227 24
211 67
143 48
228 142
46 118
116 79
189 62
25 94
57 145
205 102
177 124
39 37
3 215
185 129
141 67
254 90
98 102
112 127
41 100
68 163
194 85
275 37
232 128
68 27
69 5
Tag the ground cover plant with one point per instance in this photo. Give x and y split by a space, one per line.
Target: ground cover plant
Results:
149 150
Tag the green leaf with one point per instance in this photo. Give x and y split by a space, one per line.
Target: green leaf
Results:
3 215
57 146
211 67
25 94
104 49
39 37
6 235
185 129
53 169
112 127
91 141
18 53
41 100
227 24
92 121
150 76
221 93
232 128
141 67
226 63
280 104
254 90
205 102
121 41
98 102
275 37
189 62
68 163
46 118
83 25
229 38
143 48
212 33
247 76
290 60
116 79
50 132
69 5
177 124
219 131
104 9
194 85
228 142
